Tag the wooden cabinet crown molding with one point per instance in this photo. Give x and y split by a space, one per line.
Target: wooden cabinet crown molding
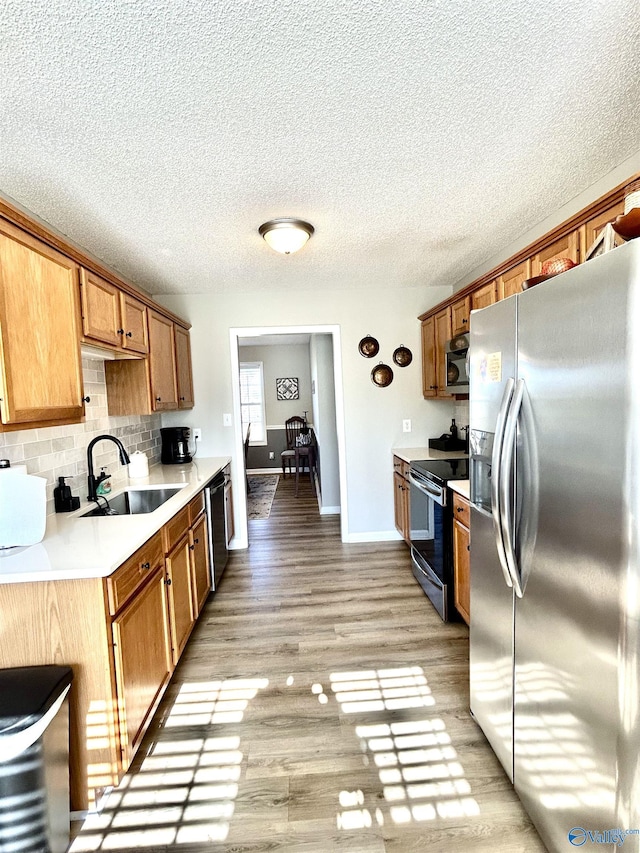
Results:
31 225
570 225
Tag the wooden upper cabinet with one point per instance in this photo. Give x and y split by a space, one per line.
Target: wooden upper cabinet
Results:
112 317
592 228
429 378
565 247
184 375
100 309
485 295
442 337
134 324
460 312
162 363
40 328
510 282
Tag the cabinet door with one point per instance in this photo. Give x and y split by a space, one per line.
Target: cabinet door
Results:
39 318
485 295
142 660
461 569
591 229
460 312
565 247
183 368
429 378
442 336
134 324
401 505
100 309
201 578
510 282
181 610
162 363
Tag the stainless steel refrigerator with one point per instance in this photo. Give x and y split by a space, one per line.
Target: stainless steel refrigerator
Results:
555 527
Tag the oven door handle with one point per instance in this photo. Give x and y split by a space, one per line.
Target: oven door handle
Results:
496 474
436 492
506 465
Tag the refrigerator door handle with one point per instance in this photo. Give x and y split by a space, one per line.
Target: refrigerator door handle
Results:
506 465
496 459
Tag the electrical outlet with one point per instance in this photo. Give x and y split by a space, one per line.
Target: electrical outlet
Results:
272 455
197 434
226 420
406 425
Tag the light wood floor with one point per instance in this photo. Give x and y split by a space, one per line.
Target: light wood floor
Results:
321 705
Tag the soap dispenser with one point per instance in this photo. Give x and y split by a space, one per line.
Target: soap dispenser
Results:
63 500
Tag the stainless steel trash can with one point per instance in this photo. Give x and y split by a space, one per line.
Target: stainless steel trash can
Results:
34 759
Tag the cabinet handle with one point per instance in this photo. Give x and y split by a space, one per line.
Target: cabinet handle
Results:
86 399
121 331
181 398
129 334
192 547
145 565
196 541
168 581
158 399
459 509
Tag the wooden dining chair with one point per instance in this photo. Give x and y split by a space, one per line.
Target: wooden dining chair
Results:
293 428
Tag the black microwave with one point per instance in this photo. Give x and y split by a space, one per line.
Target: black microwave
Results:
457 355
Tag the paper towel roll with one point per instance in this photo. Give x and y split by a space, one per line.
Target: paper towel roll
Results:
139 465
23 508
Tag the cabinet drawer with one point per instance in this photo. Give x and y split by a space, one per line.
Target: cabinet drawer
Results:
461 510
196 507
175 529
400 467
130 575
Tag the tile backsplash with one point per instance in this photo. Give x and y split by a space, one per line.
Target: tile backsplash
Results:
61 451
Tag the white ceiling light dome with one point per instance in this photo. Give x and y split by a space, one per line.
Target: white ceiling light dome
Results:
286 235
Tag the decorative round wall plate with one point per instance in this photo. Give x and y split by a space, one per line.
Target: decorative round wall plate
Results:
402 356
382 375
368 347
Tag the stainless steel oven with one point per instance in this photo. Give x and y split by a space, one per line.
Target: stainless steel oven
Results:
431 529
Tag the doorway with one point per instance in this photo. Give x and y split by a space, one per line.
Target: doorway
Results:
326 400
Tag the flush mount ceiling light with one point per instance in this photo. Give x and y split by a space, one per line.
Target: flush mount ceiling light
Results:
286 235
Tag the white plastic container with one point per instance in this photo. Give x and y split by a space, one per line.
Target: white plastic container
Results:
23 508
139 465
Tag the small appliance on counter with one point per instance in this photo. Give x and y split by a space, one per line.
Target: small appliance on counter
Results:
63 500
449 441
175 445
23 506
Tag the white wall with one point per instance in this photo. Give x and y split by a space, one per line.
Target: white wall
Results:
280 361
324 419
372 416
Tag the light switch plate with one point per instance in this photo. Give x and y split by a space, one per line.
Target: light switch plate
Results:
406 425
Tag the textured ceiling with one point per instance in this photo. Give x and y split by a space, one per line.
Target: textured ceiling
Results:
417 137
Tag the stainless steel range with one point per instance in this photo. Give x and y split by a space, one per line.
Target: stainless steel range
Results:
431 529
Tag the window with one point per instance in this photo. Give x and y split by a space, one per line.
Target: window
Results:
252 401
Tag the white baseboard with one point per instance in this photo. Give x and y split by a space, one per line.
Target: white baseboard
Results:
265 471
374 536
329 510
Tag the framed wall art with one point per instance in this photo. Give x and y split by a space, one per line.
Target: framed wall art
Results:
287 389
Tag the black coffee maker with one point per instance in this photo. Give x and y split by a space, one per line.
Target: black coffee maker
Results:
175 445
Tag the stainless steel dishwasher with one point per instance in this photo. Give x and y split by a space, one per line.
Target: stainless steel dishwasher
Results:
216 528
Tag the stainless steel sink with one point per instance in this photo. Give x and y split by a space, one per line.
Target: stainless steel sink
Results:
132 502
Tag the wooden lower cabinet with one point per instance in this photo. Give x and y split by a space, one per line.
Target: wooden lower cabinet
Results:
143 663
461 515
181 610
201 577
401 497
122 635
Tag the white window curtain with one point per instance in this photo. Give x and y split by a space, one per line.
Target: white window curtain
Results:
252 401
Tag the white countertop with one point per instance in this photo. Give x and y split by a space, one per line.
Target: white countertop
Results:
75 547
460 486
410 454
